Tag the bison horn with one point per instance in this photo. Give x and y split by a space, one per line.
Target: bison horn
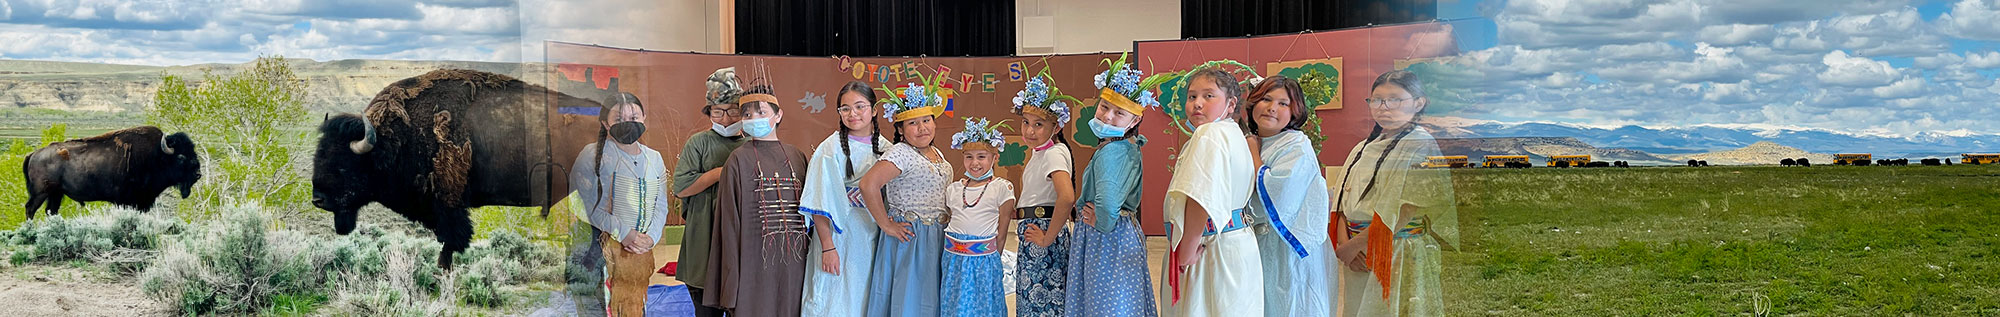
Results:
367 142
164 147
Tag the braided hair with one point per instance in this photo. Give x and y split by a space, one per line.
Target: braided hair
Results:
1409 82
604 135
875 132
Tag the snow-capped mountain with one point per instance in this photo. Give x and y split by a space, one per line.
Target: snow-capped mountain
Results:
1712 138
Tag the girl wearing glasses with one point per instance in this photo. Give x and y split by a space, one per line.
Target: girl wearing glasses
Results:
843 231
1380 186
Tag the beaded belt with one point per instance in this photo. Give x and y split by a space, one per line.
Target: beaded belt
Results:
1412 229
928 219
1235 223
985 245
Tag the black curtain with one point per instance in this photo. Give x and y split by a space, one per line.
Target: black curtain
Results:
875 27
1233 18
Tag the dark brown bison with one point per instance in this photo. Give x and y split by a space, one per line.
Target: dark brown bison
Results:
431 146
126 167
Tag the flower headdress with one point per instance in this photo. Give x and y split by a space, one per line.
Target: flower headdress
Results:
918 99
1044 100
1128 88
980 134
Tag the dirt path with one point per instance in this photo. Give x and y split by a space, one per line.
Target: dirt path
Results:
59 291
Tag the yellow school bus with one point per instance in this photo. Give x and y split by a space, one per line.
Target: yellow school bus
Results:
1979 159
1453 161
1851 158
1574 160
1502 160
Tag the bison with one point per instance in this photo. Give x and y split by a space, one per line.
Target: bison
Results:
1702 163
1930 162
1805 162
127 167
431 146
1787 162
1597 164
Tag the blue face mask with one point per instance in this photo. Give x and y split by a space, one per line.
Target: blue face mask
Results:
757 128
1105 130
980 178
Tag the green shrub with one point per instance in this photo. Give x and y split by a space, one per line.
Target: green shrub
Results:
248 128
13 186
120 236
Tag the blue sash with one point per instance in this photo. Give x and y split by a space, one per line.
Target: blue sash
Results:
1264 194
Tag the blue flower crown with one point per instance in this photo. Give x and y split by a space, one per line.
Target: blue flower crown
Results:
1041 95
921 96
1132 83
979 130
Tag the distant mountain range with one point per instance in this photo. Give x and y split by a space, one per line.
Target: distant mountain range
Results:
1682 141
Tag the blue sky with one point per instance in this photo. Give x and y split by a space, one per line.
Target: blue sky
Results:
1893 68
182 32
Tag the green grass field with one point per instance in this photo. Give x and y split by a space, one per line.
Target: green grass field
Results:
1756 241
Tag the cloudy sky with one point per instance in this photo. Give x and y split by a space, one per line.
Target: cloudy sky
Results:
1880 67
182 32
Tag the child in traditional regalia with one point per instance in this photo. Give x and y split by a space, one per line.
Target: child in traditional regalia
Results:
1213 268
1397 216
1290 202
972 271
843 231
1107 271
758 264
1047 196
905 194
621 187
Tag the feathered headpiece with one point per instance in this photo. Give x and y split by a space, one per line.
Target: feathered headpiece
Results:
980 134
1044 100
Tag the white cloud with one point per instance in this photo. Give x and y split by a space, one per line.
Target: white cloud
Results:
231 31
1736 34
1973 19
1843 70
1902 88
1989 59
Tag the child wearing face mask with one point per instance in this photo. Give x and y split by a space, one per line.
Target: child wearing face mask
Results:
697 170
1107 270
622 184
972 271
758 264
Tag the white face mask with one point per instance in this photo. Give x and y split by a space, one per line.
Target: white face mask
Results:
733 130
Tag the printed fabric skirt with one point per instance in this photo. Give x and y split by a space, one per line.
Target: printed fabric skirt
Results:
1040 273
1107 273
972 275
904 279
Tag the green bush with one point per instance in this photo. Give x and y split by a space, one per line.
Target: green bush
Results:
120 236
248 128
13 186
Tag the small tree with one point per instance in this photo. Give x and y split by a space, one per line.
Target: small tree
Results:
247 126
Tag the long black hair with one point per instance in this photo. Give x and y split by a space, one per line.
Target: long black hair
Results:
604 135
875 131
1409 82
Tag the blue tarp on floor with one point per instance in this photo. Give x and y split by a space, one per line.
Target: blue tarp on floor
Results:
668 301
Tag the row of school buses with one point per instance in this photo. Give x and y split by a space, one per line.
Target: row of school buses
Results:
1521 161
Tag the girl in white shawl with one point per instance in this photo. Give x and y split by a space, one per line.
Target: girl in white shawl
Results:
843 231
1381 180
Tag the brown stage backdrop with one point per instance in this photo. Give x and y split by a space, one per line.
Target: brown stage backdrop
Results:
671 86
1355 57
